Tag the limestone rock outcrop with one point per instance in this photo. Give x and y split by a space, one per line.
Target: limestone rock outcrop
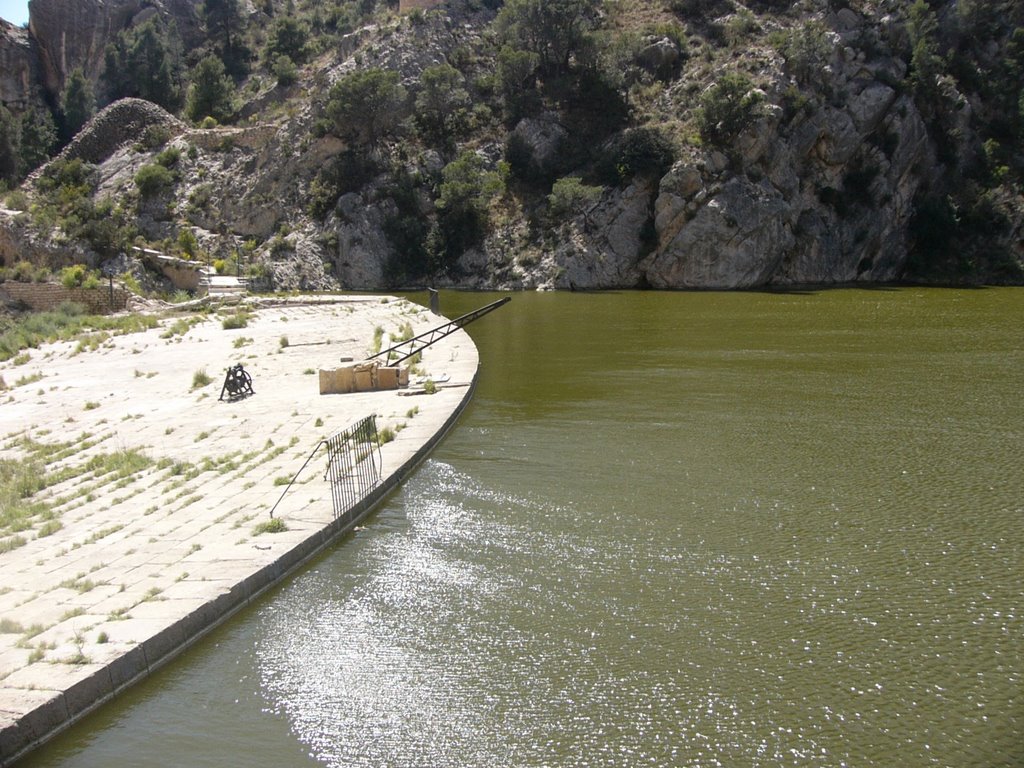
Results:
19 71
75 33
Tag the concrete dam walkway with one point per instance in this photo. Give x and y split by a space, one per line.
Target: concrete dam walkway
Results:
159 491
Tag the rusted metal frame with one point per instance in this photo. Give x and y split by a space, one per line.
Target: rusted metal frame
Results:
410 347
354 465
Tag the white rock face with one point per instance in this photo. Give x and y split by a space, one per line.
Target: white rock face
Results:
819 190
362 245
735 240
603 246
18 68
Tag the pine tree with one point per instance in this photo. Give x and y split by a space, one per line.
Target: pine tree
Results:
366 105
9 136
146 62
287 38
225 25
442 103
78 103
552 29
38 138
210 92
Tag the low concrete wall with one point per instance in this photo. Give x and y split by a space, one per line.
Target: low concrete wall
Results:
47 296
62 710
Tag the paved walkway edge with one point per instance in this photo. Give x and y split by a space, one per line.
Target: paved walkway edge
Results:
72 705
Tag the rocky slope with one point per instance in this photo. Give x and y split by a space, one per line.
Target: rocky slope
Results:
825 186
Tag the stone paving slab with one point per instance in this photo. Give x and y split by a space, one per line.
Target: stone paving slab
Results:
143 564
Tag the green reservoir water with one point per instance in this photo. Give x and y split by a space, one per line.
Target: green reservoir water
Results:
686 529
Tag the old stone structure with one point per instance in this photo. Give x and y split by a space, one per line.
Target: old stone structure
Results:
48 296
404 6
123 122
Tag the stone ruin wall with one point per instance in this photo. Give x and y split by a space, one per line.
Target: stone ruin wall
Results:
404 6
43 297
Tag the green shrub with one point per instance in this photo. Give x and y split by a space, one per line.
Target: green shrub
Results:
200 379
235 321
570 195
169 157
155 136
17 200
153 179
73 276
727 108
48 528
72 174
24 271
273 525
188 243
285 70
6 545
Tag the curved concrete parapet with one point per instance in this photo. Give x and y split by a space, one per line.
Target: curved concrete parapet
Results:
147 565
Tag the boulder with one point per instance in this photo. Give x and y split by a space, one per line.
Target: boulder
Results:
543 137
362 250
659 57
601 248
869 106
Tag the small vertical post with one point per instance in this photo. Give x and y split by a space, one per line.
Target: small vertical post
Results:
435 301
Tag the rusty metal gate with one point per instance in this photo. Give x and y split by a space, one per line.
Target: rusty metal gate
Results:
353 464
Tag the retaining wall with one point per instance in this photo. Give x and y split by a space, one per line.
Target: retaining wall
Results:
48 296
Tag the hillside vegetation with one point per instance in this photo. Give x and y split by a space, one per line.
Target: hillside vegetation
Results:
532 143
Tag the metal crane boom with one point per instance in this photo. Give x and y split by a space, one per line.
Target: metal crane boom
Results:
406 349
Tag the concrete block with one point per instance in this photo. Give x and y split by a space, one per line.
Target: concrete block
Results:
387 378
86 692
365 376
126 668
338 381
163 644
45 712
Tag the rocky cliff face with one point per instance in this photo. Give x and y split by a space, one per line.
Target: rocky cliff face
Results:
19 71
820 189
64 34
821 197
75 34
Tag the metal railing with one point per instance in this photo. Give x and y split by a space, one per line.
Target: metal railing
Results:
353 465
